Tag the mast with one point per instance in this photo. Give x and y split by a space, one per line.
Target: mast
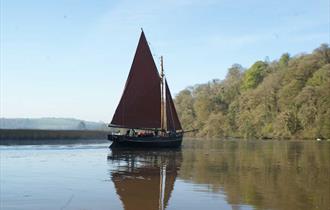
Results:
162 108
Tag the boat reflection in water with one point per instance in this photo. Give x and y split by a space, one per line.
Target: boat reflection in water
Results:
144 179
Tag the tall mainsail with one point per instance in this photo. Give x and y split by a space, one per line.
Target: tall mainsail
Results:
139 106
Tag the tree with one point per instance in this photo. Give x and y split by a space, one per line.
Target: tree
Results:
284 60
254 75
323 53
287 98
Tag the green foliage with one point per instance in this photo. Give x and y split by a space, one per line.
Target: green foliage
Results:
323 53
288 98
216 125
324 124
320 77
284 60
254 75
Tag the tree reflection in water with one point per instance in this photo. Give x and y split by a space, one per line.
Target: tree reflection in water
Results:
262 174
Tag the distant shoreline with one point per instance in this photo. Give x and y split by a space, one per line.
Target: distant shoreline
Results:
18 136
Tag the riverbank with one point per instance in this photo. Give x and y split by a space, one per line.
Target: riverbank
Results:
19 136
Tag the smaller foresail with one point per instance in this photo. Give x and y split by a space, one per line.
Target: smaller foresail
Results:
172 119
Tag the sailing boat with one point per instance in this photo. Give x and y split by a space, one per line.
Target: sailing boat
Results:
146 113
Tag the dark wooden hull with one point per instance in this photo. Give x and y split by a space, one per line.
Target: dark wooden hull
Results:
174 141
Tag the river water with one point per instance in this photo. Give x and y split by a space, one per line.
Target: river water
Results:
203 174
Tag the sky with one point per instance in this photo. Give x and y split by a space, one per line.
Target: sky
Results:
71 58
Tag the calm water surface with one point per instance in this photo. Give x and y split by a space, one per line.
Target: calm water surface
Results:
204 174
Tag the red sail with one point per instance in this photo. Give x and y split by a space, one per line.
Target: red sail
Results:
173 122
139 106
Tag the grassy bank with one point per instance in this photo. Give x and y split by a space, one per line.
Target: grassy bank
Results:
8 136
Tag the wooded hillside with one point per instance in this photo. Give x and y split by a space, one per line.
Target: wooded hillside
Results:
285 98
